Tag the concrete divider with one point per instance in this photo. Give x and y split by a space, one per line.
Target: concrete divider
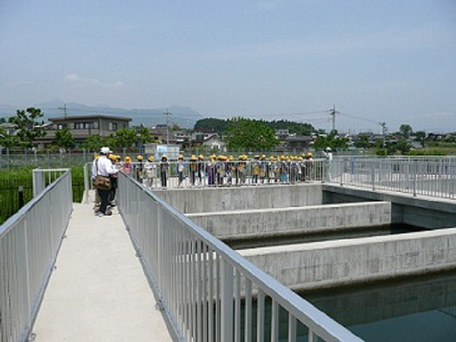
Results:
421 211
254 197
264 223
354 261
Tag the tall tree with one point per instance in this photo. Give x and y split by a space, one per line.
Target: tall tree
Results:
405 130
249 134
28 125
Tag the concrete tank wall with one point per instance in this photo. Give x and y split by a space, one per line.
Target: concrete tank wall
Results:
258 197
344 262
420 211
264 223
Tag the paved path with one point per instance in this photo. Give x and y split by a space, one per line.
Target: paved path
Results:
98 291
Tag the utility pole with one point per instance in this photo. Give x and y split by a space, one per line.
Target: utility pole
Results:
167 127
332 113
384 129
64 109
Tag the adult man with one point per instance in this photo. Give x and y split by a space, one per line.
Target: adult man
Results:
104 168
329 157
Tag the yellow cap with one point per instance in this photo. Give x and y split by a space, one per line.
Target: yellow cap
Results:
193 157
151 158
127 159
139 157
181 156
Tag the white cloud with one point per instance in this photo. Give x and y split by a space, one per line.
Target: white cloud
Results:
75 78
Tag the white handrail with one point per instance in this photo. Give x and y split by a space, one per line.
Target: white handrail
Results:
29 243
201 282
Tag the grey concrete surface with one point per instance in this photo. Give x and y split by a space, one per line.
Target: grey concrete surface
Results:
98 291
252 197
354 261
421 211
250 224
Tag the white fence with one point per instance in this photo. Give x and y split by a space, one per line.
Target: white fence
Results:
29 242
435 177
208 291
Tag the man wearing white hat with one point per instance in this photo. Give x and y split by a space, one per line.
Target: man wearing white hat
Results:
105 169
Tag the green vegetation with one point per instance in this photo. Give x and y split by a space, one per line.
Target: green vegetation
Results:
220 126
29 128
10 181
332 140
247 134
211 124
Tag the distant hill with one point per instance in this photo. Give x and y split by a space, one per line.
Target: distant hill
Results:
185 117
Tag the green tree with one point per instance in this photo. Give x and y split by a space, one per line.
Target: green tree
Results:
211 124
64 139
421 137
145 135
402 146
331 140
7 140
124 137
29 128
2 120
249 134
94 142
363 141
405 130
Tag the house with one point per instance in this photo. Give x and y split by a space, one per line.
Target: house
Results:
298 143
9 128
282 134
213 142
160 134
81 127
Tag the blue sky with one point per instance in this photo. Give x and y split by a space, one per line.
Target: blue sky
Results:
391 61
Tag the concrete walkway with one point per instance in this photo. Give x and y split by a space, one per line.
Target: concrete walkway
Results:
98 291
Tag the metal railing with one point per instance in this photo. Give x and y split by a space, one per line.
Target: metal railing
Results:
208 291
221 174
434 177
13 159
29 242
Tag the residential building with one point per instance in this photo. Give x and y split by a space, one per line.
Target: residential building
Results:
81 127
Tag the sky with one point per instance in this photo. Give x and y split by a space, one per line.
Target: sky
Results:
375 61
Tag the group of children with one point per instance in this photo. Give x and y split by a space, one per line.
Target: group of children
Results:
218 170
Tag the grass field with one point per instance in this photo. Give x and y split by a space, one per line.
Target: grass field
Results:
11 180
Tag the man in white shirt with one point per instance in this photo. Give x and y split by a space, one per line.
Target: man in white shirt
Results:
104 168
329 157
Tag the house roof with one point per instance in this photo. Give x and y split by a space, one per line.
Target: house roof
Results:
299 138
86 117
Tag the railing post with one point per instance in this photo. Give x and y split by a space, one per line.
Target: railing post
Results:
86 182
21 197
38 182
373 175
227 302
415 164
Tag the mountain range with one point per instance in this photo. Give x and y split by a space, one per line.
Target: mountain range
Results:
184 117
